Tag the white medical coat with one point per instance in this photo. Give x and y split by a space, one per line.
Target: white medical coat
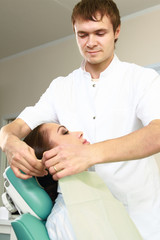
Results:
126 98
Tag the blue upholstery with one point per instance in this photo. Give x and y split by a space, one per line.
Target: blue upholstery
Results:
33 202
28 227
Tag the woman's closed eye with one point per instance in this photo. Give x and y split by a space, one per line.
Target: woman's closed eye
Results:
62 130
65 132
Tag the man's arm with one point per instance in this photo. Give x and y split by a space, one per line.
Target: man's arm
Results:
70 159
136 145
20 156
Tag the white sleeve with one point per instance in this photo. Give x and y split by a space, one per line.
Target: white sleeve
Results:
148 107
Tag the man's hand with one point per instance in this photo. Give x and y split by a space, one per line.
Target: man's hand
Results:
65 160
22 158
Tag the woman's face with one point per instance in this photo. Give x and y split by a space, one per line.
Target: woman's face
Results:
57 134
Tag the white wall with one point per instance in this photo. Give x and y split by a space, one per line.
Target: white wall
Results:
23 78
139 40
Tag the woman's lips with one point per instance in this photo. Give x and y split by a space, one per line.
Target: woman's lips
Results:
86 142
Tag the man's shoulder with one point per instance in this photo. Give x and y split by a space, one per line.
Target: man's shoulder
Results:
66 81
135 69
70 76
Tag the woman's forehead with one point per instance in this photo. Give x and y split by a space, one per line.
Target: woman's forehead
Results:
50 126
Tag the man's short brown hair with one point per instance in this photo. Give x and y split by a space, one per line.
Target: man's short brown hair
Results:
88 9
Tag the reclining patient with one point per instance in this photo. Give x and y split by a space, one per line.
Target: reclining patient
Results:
41 139
84 208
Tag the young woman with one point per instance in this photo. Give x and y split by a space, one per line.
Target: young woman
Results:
84 207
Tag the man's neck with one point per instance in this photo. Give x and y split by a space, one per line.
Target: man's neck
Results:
96 69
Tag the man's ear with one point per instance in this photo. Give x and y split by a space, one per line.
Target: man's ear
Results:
117 32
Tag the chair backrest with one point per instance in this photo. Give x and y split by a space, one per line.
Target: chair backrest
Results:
30 200
28 227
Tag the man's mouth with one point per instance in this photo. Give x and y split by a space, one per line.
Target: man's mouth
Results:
93 52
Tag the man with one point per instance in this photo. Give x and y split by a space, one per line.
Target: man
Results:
115 104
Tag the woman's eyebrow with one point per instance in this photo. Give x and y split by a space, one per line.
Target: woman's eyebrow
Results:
61 126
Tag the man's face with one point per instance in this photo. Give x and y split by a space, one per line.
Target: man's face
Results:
96 40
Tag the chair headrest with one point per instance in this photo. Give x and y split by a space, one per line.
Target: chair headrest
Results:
27 195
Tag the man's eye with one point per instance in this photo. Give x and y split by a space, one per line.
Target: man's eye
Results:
82 35
100 34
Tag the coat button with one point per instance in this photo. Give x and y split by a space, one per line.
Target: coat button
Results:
94 85
94 117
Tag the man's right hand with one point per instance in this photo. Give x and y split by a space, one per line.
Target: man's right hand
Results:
20 156
22 159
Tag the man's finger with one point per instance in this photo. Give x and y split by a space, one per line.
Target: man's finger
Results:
50 153
61 174
19 174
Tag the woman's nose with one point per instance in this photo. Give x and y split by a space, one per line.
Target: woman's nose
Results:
79 134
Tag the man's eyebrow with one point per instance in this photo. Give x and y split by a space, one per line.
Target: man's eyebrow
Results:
81 32
104 30
97 30
61 126
101 29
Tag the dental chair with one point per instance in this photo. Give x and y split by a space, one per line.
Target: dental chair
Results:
33 204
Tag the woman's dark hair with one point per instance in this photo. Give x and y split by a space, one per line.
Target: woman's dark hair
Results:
37 140
87 10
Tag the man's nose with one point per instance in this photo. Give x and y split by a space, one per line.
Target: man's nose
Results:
91 41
